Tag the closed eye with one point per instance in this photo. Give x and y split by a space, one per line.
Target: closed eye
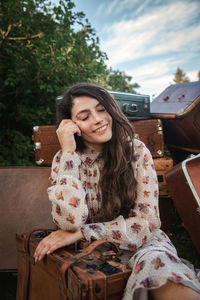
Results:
84 118
101 110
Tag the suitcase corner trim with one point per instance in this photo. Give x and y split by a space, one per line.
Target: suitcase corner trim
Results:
187 176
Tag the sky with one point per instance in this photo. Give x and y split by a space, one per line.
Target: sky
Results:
147 39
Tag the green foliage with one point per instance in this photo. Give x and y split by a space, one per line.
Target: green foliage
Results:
119 81
180 76
42 55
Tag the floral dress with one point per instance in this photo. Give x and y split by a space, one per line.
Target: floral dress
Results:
76 200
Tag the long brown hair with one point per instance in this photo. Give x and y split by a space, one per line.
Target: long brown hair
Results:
117 180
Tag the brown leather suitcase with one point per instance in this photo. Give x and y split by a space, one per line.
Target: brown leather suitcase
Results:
96 272
24 205
150 132
46 142
162 165
178 106
184 186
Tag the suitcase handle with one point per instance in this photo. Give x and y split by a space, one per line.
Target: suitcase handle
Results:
73 259
127 110
85 251
76 258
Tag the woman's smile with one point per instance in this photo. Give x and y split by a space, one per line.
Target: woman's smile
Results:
101 130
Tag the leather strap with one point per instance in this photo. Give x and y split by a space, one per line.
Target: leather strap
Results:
72 260
28 258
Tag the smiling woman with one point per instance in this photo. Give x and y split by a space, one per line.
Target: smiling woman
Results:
104 186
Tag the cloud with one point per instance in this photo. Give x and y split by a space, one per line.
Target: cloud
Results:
154 87
193 75
179 41
166 28
109 8
153 77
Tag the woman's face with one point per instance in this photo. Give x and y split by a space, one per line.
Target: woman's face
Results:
93 120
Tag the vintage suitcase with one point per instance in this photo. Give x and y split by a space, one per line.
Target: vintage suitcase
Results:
179 108
184 185
163 165
46 142
96 272
134 106
24 205
150 132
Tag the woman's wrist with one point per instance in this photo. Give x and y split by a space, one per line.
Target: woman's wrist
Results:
68 151
81 233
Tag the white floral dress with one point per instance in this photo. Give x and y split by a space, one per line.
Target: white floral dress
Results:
76 201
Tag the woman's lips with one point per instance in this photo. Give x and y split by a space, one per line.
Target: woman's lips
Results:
101 130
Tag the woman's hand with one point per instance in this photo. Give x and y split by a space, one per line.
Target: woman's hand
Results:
65 133
55 240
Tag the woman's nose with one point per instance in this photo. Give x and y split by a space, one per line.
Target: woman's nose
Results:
97 118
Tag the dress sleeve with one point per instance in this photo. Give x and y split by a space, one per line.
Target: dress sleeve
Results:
143 220
67 196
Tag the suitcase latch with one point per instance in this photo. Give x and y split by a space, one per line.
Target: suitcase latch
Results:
166 98
40 161
108 255
37 146
36 129
131 110
181 97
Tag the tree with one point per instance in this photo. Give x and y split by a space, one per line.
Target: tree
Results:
119 81
180 76
198 76
41 55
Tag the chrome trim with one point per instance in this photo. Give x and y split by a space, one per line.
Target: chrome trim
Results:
40 161
187 176
36 129
159 152
37 146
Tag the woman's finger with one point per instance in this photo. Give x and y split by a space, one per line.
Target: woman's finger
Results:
50 243
55 240
44 246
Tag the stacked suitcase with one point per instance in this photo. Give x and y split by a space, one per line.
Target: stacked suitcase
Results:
178 106
148 131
